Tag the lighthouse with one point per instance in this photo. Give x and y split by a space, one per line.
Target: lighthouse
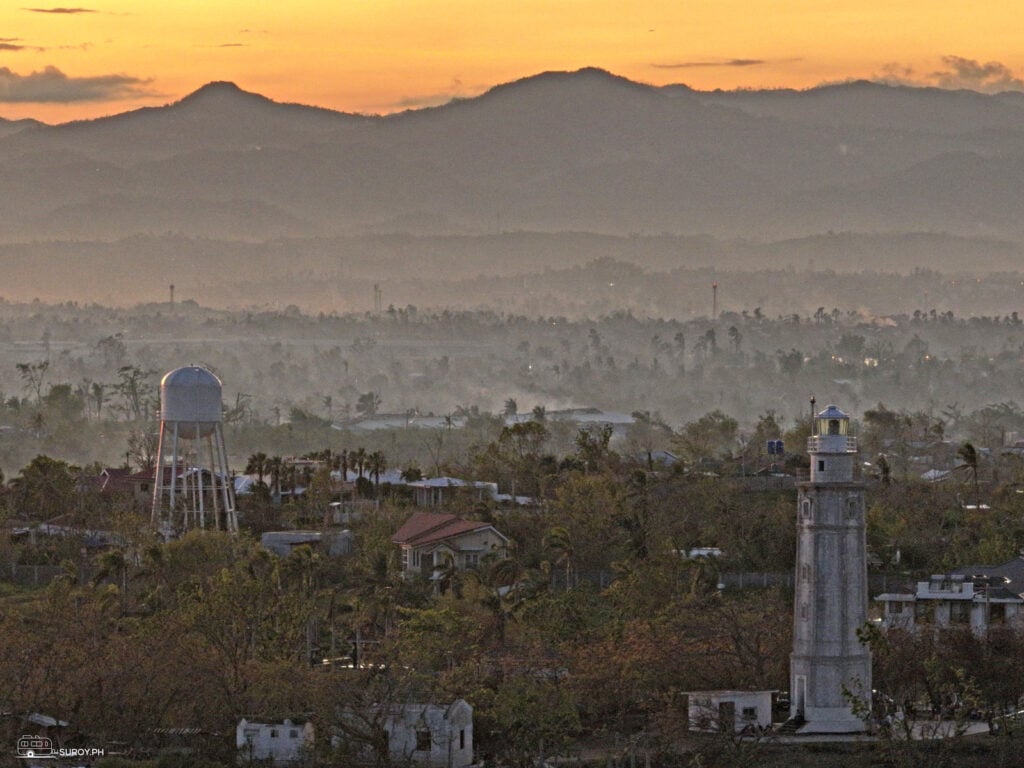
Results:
829 668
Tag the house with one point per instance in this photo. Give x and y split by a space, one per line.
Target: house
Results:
957 600
282 543
433 734
431 540
438 491
734 711
281 742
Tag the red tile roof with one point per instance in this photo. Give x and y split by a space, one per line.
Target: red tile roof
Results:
428 527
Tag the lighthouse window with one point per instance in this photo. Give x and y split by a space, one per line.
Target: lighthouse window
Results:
805 509
851 509
805 572
821 465
803 611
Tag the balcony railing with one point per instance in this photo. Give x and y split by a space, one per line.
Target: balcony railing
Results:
829 444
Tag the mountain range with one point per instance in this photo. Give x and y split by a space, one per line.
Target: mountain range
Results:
561 151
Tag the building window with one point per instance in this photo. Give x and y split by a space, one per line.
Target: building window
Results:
997 613
924 613
852 509
293 734
750 713
959 613
821 465
422 741
895 607
273 733
805 572
472 559
415 558
803 611
805 509
462 738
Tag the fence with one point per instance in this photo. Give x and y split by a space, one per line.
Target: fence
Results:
31 575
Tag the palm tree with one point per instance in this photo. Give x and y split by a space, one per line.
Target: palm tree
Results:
377 464
969 454
559 539
448 575
275 467
257 465
114 565
358 458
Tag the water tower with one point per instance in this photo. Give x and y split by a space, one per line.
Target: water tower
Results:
192 488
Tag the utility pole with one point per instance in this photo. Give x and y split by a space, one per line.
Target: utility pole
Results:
714 301
172 297
377 298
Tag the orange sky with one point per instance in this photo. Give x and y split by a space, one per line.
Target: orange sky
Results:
72 61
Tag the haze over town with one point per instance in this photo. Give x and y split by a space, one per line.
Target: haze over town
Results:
517 358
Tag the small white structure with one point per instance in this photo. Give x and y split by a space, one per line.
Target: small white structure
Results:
432 734
191 420
736 711
283 742
950 601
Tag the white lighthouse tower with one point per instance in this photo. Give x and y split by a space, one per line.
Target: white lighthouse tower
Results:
829 665
195 489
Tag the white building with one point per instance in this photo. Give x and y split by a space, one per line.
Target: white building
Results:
283 742
433 734
738 711
831 591
951 601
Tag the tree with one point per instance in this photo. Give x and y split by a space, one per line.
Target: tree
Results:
45 488
142 448
559 540
592 447
969 455
34 375
711 436
135 390
377 464
258 465
368 404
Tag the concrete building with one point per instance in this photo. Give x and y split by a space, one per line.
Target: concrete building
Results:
331 543
432 734
737 711
954 601
828 662
281 742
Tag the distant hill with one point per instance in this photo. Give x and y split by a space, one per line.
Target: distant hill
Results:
583 151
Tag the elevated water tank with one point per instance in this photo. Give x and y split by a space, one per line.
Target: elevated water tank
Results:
191 398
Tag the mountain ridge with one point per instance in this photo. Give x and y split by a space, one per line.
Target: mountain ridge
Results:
585 150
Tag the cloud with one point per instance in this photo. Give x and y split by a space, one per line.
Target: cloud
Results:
960 72
50 85
454 91
60 10
5 46
968 73
722 63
